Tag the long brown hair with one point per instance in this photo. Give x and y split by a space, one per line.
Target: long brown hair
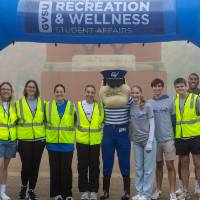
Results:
37 92
142 100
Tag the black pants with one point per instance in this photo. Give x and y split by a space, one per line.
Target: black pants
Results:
30 153
88 161
60 173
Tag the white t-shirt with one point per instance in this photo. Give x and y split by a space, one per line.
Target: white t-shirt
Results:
88 109
6 106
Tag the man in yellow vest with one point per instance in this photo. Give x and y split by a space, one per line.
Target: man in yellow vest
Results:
90 116
193 87
187 137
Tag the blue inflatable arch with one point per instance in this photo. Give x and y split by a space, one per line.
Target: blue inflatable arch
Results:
102 21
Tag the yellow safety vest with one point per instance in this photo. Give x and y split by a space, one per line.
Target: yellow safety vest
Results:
89 132
187 122
60 130
30 126
8 123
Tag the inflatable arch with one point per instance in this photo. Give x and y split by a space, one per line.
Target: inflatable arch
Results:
102 21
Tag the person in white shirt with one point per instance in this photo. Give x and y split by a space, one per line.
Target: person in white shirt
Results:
90 116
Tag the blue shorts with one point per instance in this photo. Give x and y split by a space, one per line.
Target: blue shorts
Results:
8 149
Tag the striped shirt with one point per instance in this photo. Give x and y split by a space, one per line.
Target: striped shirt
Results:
117 115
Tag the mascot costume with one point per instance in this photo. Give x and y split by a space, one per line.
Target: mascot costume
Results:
114 94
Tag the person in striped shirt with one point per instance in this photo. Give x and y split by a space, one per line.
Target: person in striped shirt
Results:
115 96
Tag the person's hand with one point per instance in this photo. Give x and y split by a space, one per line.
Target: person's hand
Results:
148 147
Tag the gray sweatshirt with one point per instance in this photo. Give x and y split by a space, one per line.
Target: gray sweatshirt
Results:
140 130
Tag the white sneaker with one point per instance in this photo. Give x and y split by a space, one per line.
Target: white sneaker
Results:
4 196
69 198
136 197
197 188
173 196
143 198
179 191
85 196
184 196
93 196
156 195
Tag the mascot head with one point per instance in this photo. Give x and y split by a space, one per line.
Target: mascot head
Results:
114 92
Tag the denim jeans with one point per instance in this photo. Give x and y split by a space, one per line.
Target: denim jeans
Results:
145 164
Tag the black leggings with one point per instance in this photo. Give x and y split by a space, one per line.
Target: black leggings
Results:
30 153
60 173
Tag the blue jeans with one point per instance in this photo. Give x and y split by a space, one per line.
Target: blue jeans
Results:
145 164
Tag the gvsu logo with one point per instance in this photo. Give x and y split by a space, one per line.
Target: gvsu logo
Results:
114 74
44 18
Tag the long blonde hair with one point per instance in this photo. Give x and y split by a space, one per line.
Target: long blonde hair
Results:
142 99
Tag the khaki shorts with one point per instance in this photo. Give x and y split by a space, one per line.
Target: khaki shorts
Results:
167 149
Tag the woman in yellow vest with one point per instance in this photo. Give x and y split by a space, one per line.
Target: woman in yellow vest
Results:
31 137
90 116
8 144
60 138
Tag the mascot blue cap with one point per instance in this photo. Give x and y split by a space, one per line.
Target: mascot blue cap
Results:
114 78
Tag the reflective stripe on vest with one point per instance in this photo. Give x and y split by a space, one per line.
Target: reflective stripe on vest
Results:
59 128
30 124
188 122
21 110
8 126
88 129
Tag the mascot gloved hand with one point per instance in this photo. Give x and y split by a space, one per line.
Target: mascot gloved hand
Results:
115 95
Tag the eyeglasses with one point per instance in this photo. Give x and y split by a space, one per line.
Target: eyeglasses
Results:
31 87
5 89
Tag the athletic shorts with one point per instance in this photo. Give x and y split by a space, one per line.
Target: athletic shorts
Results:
8 149
166 150
187 146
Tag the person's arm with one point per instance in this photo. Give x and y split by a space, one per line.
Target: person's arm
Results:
173 116
150 115
148 147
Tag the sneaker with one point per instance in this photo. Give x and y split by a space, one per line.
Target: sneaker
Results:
179 191
58 197
23 192
85 196
93 196
136 197
184 196
4 196
125 196
69 198
104 195
144 198
156 195
31 195
197 189
173 196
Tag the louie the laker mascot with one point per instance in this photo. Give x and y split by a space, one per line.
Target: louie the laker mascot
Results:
114 94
